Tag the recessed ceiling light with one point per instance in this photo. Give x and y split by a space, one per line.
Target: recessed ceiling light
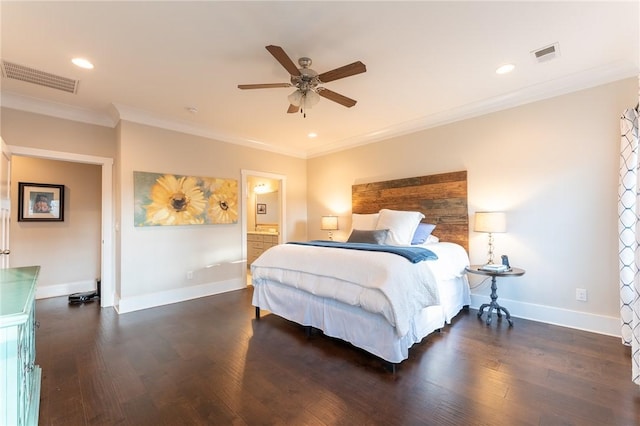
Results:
192 110
312 135
82 63
504 69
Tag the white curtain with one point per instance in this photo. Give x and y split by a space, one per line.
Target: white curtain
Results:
629 241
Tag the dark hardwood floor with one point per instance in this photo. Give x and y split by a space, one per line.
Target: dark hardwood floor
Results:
209 362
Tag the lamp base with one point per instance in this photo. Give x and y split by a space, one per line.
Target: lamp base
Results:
490 251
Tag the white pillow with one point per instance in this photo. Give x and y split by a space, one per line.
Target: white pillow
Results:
364 222
401 225
432 239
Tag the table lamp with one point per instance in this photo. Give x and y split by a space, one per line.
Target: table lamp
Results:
490 222
329 223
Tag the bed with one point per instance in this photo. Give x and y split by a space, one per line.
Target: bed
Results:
377 301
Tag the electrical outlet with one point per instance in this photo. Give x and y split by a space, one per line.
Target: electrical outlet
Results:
189 275
581 294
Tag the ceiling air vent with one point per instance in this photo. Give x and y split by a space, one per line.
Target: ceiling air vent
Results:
41 78
546 53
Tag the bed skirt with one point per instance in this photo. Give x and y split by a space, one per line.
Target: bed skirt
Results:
362 329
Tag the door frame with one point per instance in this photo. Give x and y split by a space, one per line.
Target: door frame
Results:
5 206
245 196
107 262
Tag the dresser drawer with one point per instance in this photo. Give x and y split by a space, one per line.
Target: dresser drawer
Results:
258 245
253 253
255 237
271 239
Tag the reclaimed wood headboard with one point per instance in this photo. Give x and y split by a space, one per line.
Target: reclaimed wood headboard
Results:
442 198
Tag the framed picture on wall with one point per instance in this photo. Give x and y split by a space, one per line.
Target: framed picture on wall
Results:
40 202
261 208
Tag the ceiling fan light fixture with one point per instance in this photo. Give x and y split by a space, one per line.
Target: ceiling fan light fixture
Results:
304 99
311 98
295 98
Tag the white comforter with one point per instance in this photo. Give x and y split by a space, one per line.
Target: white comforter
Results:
382 283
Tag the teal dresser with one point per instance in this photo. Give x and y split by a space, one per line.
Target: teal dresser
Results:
19 376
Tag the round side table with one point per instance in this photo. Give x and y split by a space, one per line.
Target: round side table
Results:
512 272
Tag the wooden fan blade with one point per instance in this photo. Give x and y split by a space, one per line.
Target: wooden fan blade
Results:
342 72
284 59
292 109
337 97
263 86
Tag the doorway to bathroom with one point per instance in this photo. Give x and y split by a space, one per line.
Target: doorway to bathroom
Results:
263 213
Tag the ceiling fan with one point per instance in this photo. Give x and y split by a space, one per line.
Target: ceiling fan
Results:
307 81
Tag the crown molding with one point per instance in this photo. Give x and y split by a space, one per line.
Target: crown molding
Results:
116 112
128 113
549 89
55 109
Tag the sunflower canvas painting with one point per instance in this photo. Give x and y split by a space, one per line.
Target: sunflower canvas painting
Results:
166 199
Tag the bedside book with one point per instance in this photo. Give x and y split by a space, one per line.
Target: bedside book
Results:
494 267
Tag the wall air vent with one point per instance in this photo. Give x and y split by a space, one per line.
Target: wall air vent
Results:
41 78
546 53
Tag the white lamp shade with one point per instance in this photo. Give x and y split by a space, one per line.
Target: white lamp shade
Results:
490 222
295 98
305 100
311 98
329 223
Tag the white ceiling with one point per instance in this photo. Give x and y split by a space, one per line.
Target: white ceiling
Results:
428 63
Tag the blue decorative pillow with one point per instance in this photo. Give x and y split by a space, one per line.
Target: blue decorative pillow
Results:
422 233
370 237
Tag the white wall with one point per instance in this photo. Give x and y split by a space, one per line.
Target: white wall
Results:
154 261
68 252
29 130
551 165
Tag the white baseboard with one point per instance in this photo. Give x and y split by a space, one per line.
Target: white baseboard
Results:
57 290
151 300
547 314
557 316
